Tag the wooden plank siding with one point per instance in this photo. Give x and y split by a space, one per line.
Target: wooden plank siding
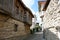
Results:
7 5
16 10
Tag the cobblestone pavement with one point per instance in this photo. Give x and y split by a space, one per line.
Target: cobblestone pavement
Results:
36 36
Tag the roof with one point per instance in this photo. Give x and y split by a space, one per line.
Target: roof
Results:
40 3
25 7
42 0
46 5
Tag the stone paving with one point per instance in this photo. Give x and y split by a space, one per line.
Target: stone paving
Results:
36 36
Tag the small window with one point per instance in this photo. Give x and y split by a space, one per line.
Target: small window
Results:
15 27
17 10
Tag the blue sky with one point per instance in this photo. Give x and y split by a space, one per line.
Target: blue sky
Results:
33 6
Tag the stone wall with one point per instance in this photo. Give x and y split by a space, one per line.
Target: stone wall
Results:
27 28
7 27
52 20
13 17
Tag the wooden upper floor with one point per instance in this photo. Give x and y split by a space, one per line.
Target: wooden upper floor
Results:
17 10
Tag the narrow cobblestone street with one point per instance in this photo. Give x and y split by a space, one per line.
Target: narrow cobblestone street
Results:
36 36
29 19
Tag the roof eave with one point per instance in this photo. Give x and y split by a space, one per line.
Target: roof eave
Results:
25 7
46 5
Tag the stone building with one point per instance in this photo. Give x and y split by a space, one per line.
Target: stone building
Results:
52 19
15 20
33 22
41 4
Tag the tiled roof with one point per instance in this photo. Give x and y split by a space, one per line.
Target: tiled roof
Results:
42 0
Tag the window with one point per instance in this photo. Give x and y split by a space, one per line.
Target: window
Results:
21 15
17 10
15 27
25 16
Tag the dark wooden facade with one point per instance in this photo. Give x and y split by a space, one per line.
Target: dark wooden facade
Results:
17 10
15 20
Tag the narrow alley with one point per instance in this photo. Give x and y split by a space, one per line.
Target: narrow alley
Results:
35 36
29 19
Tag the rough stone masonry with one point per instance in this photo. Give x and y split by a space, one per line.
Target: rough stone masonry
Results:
52 20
